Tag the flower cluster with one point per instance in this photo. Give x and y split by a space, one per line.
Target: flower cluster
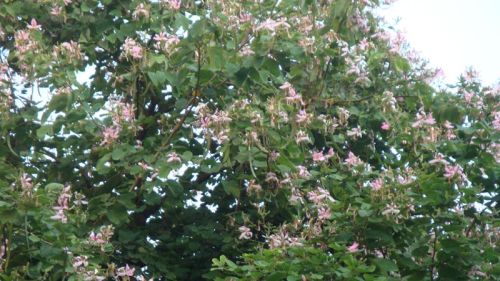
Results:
132 50
62 205
69 50
215 125
141 11
102 237
166 43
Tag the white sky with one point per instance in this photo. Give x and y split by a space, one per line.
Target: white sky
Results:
452 34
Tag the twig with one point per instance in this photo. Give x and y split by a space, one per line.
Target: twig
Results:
433 258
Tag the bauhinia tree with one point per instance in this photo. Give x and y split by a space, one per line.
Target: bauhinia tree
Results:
238 140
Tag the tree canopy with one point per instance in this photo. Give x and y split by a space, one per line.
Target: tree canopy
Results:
238 140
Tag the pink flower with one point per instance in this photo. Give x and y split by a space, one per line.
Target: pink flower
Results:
244 18
80 261
22 35
385 126
125 271
353 248
34 25
330 153
172 157
278 240
447 124
496 120
352 160
26 184
164 42
319 195
221 117
136 52
423 119
110 135
271 177
174 4
318 156
438 159
253 187
128 112
302 117
324 214
62 205
273 25
56 10
343 115
274 155
377 184
355 132
468 96
96 238
132 49
141 11
303 173
245 233
288 88
160 37
301 137
452 171
246 51
292 96
391 209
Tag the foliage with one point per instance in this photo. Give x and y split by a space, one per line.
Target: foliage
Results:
237 140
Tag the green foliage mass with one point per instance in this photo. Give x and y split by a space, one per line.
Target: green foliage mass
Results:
237 140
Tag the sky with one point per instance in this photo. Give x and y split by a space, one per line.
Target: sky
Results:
452 34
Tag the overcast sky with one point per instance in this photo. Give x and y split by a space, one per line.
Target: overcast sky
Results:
452 34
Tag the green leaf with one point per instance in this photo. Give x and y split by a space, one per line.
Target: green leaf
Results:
117 214
232 187
158 78
43 131
386 265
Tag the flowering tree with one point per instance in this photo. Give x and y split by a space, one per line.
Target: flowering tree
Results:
237 140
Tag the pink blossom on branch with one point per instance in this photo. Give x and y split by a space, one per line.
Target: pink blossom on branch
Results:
496 120
355 132
172 4
302 117
272 25
172 157
353 248
246 51
141 11
423 119
377 184
125 271
324 214
352 160
319 156
303 172
451 172
62 205
132 49
302 137
292 96
34 25
245 233
439 159
110 135
385 126
56 10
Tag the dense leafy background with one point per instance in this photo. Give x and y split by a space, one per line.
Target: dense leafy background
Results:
237 140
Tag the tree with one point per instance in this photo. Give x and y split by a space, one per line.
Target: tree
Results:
237 140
